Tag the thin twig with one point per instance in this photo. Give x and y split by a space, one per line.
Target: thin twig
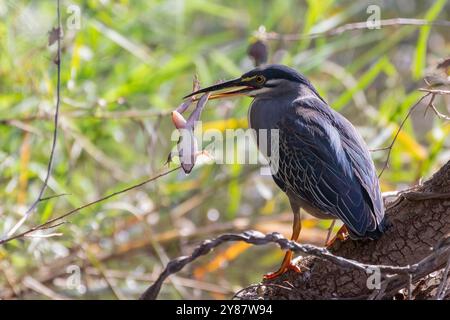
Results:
38 287
65 215
53 196
352 27
391 145
259 285
53 226
436 112
104 115
379 149
55 131
185 282
444 283
433 93
429 92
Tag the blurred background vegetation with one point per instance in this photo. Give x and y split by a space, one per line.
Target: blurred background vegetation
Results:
123 71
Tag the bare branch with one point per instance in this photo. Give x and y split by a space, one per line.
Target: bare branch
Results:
391 145
429 92
51 223
54 196
258 238
435 91
352 27
54 36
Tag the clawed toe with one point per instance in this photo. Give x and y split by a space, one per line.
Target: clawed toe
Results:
282 270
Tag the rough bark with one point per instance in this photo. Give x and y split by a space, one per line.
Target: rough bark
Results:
419 221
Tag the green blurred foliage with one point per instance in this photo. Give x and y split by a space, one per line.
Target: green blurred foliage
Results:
126 68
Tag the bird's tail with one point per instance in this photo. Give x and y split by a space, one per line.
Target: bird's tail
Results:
372 234
379 230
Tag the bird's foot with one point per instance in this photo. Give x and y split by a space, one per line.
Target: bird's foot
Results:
283 269
342 235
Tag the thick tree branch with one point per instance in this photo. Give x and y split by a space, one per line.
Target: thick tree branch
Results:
416 244
420 221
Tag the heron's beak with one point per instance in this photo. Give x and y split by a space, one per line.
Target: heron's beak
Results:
226 89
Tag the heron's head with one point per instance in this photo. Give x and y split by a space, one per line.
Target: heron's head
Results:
269 80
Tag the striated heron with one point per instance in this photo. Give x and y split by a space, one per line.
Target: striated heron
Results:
323 164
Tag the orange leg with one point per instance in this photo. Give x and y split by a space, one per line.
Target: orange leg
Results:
342 235
330 231
287 261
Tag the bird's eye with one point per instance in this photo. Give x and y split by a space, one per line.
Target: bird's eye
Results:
260 79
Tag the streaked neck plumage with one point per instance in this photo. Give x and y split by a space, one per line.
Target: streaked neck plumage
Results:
269 107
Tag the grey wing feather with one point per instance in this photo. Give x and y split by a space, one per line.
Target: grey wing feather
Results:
322 162
359 154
